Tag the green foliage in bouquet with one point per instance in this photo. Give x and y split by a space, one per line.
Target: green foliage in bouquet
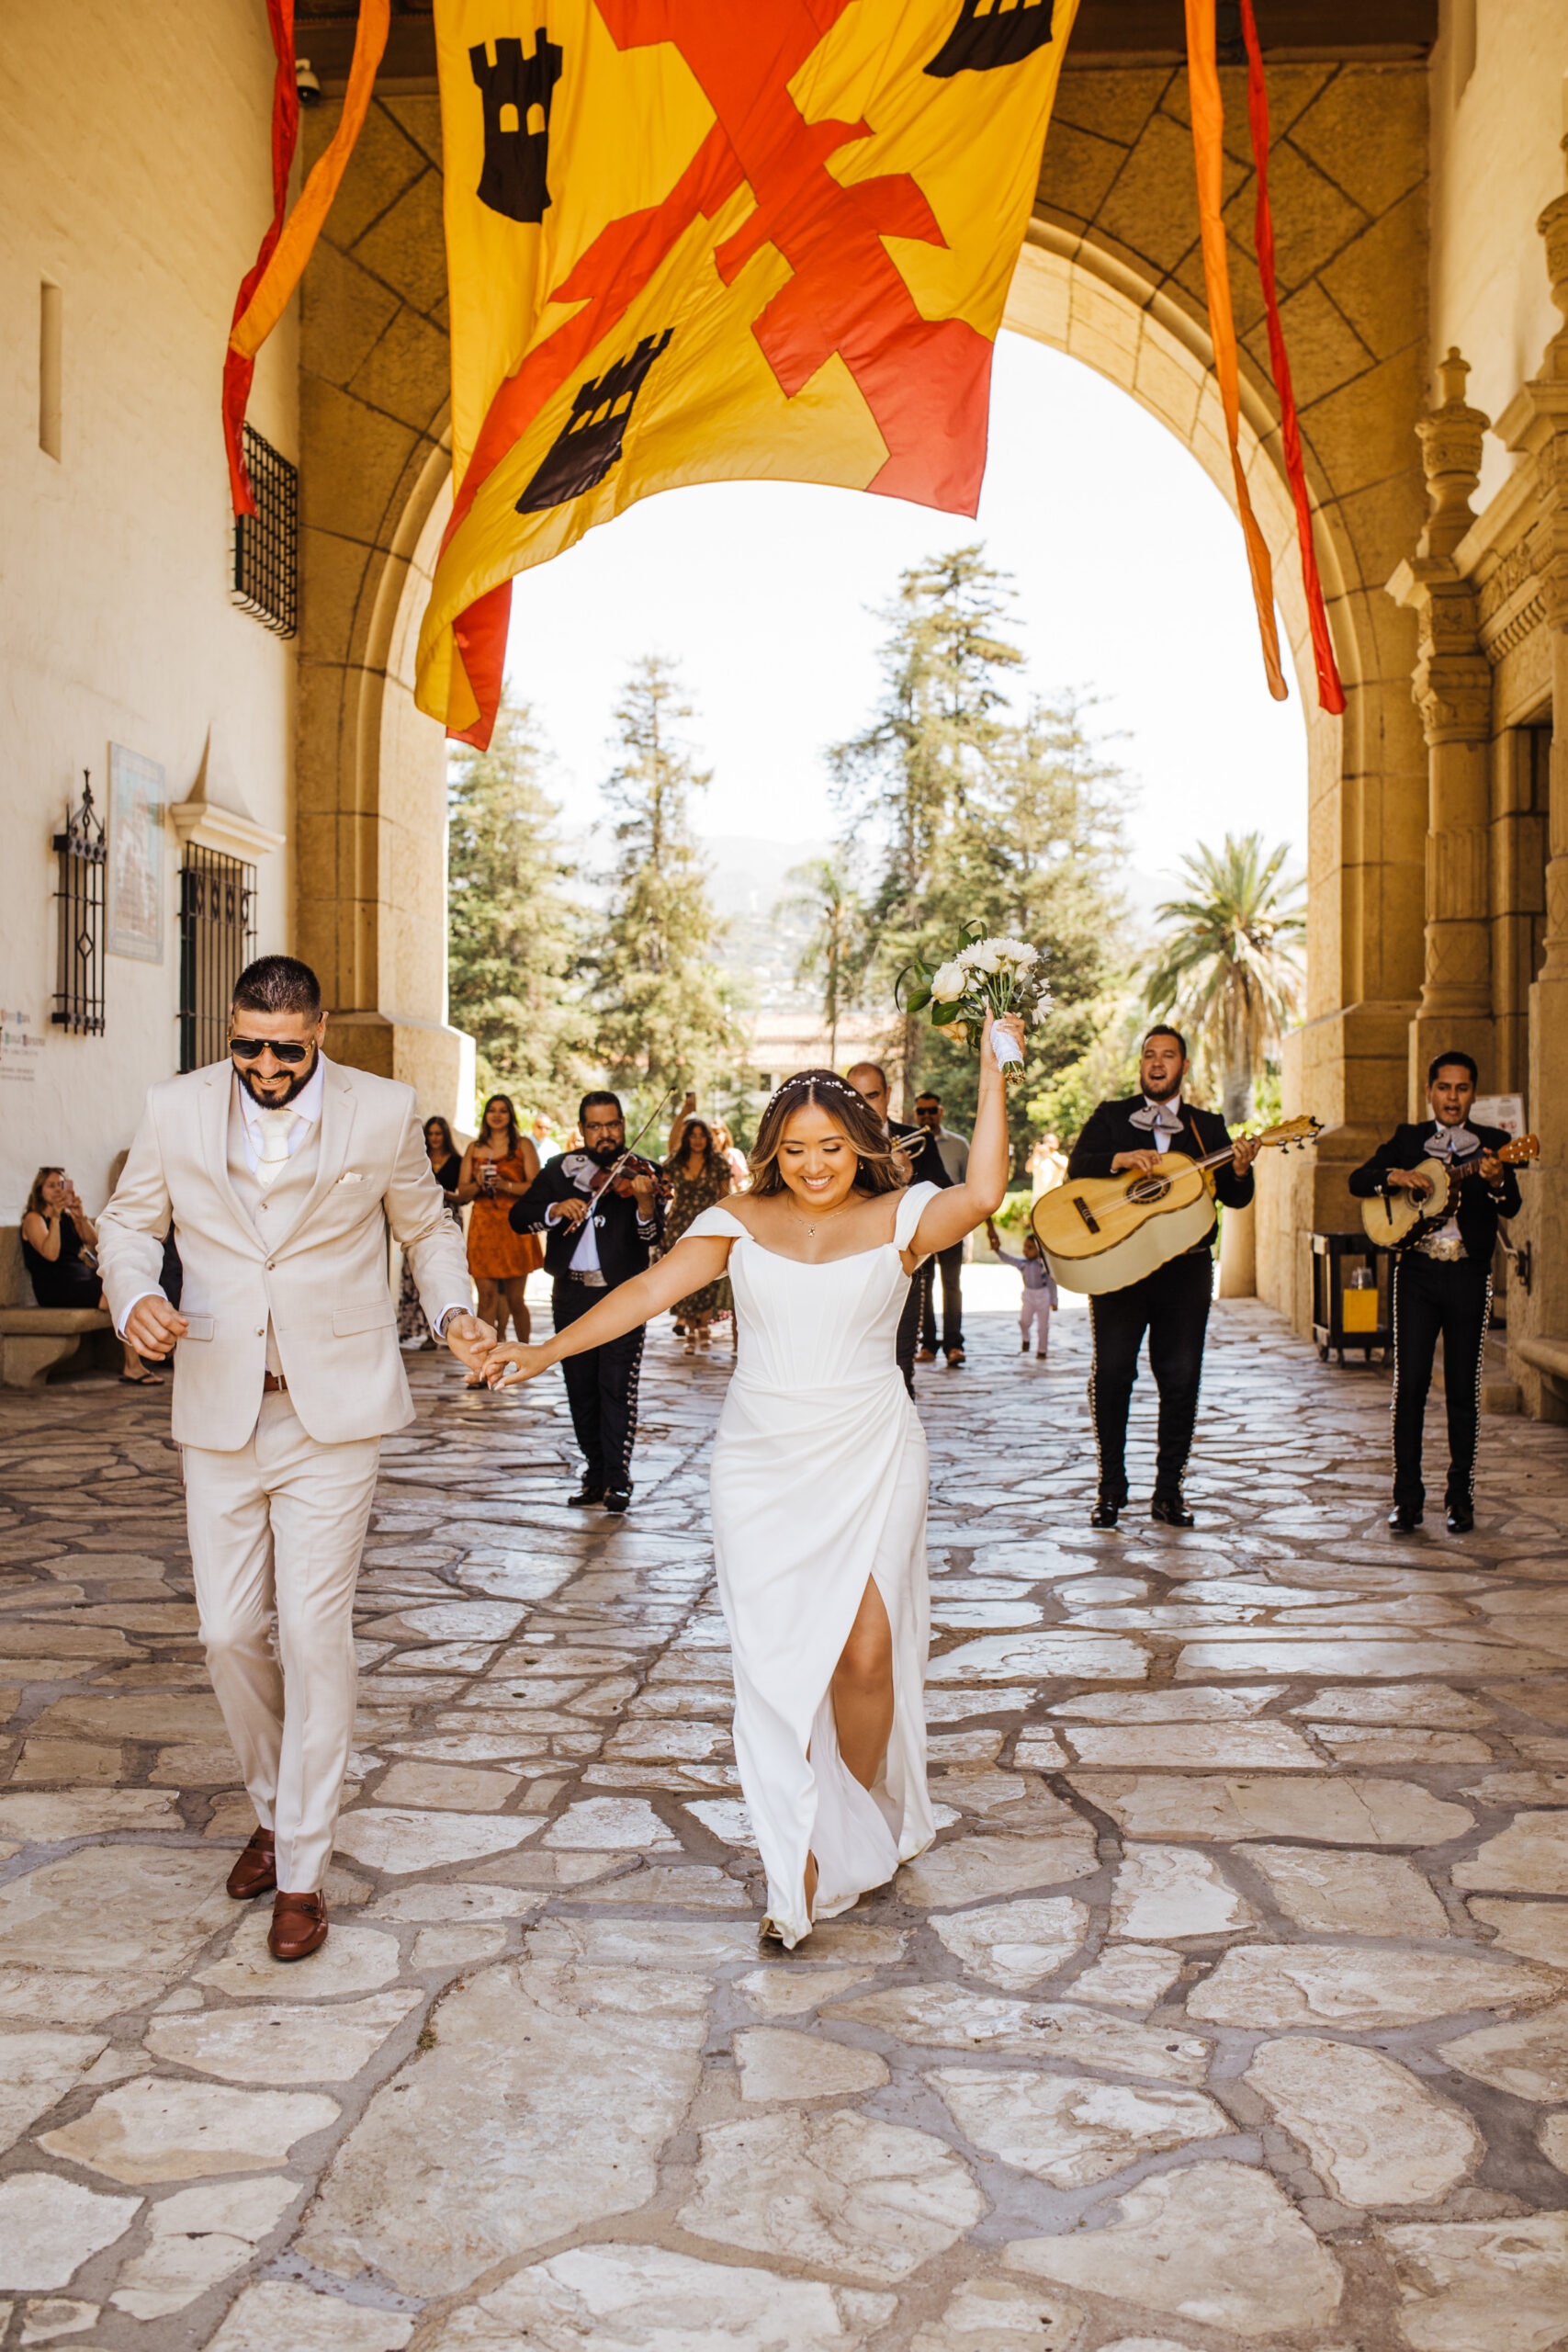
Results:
981 975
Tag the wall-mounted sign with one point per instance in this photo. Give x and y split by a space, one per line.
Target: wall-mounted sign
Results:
136 856
1504 1111
21 1042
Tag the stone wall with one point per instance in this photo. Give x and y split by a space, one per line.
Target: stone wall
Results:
115 619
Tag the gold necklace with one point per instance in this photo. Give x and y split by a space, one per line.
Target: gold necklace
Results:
800 1216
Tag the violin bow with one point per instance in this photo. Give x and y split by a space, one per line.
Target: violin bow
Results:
630 1151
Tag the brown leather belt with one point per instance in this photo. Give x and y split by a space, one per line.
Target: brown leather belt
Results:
272 1383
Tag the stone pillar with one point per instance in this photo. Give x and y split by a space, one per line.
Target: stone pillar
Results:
1452 689
1535 423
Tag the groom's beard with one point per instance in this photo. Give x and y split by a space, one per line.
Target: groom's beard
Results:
276 1101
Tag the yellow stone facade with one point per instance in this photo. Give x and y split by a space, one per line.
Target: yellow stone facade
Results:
1407 186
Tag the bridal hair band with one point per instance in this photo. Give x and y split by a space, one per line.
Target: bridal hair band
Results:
811 1079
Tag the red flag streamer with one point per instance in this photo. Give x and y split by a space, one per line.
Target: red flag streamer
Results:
240 366
286 248
1208 131
1330 692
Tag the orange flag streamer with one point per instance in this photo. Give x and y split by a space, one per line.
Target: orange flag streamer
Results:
1330 692
266 294
237 370
1208 127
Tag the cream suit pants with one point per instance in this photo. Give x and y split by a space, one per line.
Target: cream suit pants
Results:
275 1535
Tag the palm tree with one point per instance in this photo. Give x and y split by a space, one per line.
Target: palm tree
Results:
832 954
1229 968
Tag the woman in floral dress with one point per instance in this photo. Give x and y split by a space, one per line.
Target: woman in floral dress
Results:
701 1178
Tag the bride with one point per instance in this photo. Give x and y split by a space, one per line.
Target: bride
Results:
819 1475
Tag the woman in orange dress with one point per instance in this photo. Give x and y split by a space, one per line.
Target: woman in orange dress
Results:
498 1168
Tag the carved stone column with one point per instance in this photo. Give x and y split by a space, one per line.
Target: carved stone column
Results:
1452 689
1535 423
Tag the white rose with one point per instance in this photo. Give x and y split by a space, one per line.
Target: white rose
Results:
953 1029
949 984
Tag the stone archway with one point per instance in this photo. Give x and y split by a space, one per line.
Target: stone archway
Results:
1110 275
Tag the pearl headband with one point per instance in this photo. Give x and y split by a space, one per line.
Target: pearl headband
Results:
807 1078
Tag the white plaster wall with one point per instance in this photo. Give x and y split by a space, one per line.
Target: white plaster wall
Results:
1496 164
135 174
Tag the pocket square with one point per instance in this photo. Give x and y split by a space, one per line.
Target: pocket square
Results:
351 1176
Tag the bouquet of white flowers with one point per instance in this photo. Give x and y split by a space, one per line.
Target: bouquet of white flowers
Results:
983 976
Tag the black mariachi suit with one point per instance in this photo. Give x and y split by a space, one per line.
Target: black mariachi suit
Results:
1172 1304
1452 1296
601 1383
927 1164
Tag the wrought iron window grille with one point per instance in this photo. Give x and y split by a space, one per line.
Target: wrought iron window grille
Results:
79 978
217 939
267 544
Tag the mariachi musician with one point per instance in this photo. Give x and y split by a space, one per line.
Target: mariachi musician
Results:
1172 1303
1442 1282
601 1228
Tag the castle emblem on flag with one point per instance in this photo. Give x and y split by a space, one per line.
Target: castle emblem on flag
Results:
515 157
589 443
988 36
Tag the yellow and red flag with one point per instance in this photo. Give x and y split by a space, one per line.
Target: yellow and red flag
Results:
715 241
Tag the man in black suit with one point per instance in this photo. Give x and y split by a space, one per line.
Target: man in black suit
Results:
595 1242
1442 1282
920 1146
1172 1303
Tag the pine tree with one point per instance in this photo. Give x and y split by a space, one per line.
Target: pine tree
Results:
663 1019
514 933
915 779
977 816
833 956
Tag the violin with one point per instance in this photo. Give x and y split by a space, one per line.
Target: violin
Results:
618 1177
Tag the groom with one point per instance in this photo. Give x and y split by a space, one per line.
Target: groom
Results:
283 1173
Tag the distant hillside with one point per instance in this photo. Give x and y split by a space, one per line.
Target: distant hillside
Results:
749 877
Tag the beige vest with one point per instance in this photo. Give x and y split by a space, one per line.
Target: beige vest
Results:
272 1212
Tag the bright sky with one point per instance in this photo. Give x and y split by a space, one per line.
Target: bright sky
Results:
1131 583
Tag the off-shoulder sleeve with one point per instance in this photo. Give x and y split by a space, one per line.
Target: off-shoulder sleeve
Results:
714 1225
910 1210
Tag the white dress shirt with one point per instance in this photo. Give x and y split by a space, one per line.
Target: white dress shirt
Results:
306 1107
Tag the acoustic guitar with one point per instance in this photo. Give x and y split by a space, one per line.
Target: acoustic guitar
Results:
1394 1219
1103 1232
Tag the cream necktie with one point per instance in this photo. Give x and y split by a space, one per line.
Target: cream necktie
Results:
276 1126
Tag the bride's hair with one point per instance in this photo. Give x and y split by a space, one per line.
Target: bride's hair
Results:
883 1166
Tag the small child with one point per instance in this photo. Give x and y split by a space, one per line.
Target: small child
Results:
1039 1289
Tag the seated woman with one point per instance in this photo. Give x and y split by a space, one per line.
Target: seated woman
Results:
58 1238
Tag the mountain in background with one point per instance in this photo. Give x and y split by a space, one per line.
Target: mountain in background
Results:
749 877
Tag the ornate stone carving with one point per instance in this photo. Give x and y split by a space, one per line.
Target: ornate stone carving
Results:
1450 437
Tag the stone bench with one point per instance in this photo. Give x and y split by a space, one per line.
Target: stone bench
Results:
1546 1354
36 1340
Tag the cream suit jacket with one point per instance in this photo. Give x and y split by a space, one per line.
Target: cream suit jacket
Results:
323 1282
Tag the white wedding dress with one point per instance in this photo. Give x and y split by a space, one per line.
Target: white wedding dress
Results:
819 1481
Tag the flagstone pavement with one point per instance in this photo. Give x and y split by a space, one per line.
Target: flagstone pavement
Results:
1230 2006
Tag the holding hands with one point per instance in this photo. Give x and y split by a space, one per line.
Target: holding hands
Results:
511 1363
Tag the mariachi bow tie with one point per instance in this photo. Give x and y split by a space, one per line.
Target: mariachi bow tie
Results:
1159 1118
1452 1143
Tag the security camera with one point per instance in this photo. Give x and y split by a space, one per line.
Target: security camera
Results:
307 85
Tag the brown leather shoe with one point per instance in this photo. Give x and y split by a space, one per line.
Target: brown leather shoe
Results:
298 1925
256 1872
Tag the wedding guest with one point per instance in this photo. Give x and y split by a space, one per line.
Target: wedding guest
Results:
1047 1165
446 1166
952 1149
498 1168
701 1178
740 1172
544 1133
1039 1296
60 1245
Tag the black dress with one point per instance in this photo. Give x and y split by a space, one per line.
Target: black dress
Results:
69 1280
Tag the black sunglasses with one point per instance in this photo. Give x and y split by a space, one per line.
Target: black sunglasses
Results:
283 1049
